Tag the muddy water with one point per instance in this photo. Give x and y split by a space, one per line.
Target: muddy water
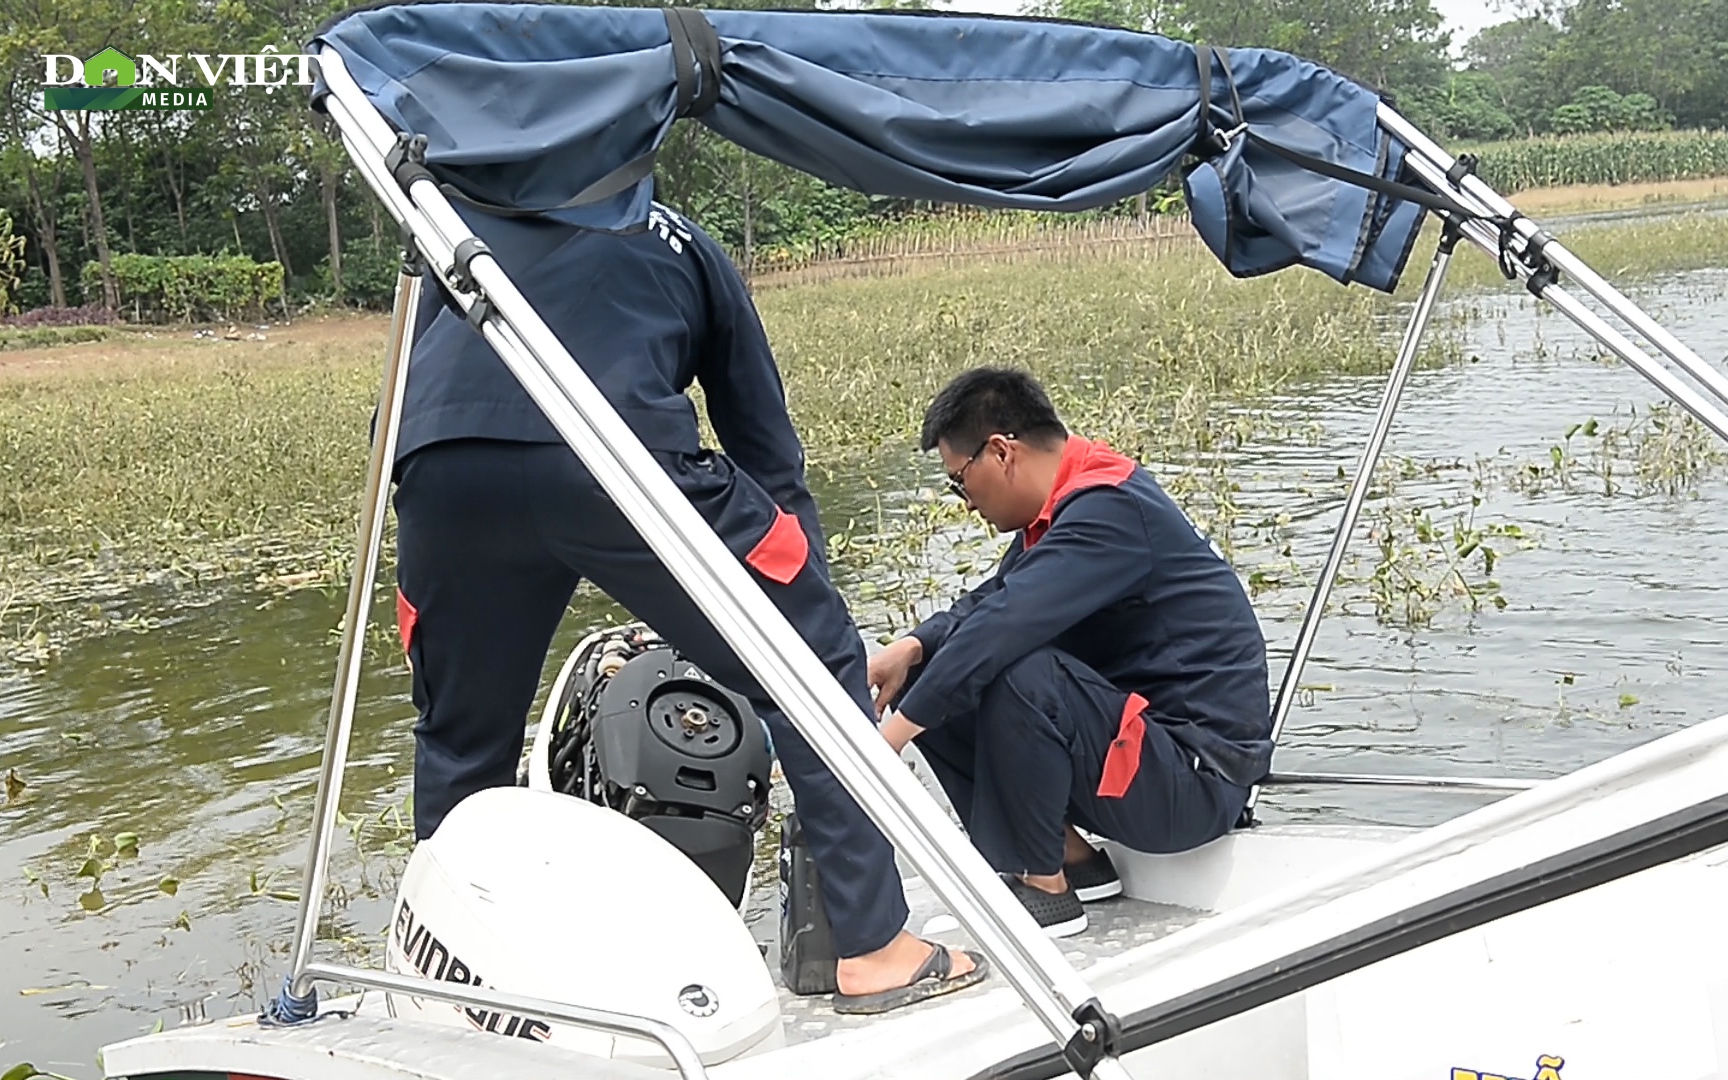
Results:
203 736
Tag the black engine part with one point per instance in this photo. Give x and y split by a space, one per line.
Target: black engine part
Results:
642 730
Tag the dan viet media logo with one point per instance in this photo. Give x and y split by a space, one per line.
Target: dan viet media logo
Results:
112 79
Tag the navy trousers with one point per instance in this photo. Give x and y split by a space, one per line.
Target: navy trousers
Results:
493 538
1034 755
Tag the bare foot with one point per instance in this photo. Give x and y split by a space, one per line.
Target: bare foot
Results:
892 966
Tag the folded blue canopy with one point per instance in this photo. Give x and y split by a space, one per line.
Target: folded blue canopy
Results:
558 109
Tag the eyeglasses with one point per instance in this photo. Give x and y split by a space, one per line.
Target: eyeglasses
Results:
957 479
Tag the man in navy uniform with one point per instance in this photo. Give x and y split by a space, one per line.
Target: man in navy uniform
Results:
1111 675
498 521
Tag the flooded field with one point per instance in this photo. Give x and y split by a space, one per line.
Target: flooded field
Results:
161 781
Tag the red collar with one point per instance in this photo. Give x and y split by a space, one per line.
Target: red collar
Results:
1085 464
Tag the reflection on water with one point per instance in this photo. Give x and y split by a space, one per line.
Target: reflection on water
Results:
202 737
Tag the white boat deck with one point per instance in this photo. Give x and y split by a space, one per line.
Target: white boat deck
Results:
1460 1003
1115 926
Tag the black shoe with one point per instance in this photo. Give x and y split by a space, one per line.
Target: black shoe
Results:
1059 914
1095 878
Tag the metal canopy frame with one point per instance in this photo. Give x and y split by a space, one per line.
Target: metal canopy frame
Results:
439 241
718 583
1526 250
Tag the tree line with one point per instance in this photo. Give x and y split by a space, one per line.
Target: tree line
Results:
95 207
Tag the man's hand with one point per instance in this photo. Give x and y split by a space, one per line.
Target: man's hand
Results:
889 668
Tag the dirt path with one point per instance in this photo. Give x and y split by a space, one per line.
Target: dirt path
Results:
1583 198
143 348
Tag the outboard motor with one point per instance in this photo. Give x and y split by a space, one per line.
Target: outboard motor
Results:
647 781
537 894
638 728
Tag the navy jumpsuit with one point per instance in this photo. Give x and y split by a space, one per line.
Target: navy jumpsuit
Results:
1111 674
498 520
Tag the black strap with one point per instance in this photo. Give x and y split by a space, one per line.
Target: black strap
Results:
1543 272
622 178
696 56
1209 143
1223 56
1204 139
1204 56
625 176
683 57
1433 200
1508 233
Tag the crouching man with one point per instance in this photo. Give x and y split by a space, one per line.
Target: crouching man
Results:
1111 676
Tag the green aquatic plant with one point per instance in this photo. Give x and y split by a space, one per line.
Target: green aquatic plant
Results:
1658 450
1422 565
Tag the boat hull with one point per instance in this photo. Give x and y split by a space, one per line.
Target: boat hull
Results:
1623 981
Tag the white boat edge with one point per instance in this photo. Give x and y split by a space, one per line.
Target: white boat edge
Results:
1463 1003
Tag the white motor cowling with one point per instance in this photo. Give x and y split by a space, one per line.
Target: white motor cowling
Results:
539 894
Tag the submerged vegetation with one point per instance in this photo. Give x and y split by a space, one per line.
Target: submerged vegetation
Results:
1657 451
170 462
175 463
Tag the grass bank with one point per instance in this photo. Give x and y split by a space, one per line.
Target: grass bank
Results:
1621 252
1114 337
176 460
165 451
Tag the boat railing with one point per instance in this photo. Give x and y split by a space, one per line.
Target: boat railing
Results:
1085 1035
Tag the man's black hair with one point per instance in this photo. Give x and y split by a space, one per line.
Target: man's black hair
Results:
988 401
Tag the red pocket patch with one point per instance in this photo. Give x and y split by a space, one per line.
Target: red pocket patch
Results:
406 616
780 554
1122 761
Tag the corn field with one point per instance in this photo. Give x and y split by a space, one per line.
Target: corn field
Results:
1632 157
